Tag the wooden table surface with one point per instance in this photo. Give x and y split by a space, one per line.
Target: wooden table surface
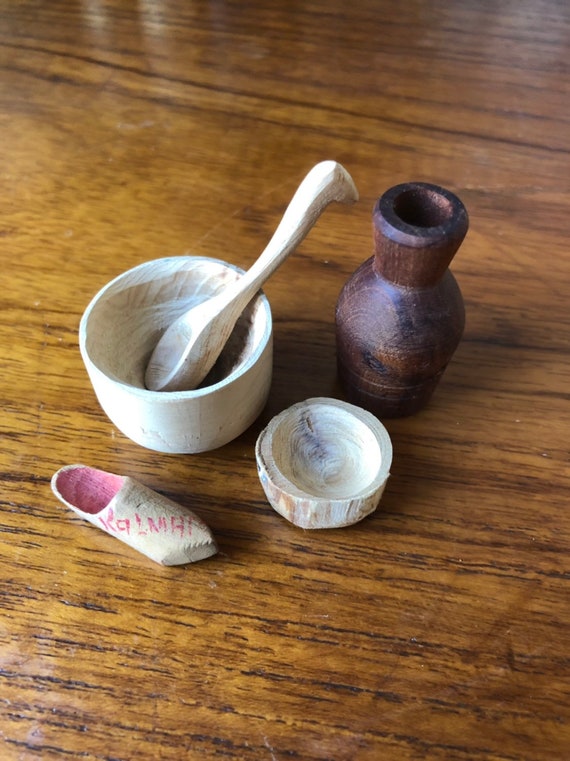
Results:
439 627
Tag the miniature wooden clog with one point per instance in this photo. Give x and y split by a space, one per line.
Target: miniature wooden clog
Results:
163 530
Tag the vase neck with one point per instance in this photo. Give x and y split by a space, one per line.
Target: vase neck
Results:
418 228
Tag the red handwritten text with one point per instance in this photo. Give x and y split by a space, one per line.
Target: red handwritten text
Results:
178 525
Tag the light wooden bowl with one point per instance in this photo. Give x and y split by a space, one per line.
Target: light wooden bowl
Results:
121 327
324 463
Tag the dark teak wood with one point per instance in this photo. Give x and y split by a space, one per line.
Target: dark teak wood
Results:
400 318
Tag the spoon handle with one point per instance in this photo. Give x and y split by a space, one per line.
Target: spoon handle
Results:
326 182
190 346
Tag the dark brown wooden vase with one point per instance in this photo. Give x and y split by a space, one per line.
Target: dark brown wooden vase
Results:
400 317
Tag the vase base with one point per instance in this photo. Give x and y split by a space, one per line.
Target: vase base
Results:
387 401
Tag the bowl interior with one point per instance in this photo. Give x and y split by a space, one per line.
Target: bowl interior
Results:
126 319
325 451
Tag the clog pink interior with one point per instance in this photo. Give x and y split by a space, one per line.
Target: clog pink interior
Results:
88 489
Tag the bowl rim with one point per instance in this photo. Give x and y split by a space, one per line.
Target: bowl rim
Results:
266 463
171 396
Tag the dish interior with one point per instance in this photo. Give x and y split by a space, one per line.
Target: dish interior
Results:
326 452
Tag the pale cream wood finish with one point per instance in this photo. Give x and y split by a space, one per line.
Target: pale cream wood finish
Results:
324 463
122 324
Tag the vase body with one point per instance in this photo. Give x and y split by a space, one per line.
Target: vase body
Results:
400 317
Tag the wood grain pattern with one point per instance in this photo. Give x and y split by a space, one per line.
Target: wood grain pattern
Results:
438 628
400 317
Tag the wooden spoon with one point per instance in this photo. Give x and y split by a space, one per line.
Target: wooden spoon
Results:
189 348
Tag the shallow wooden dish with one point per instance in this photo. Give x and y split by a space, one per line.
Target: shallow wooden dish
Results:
122 325
324 463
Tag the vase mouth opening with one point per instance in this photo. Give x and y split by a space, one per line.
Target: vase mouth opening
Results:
420 211
422 207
